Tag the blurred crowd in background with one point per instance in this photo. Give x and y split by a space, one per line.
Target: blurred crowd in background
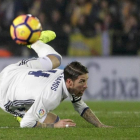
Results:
83 27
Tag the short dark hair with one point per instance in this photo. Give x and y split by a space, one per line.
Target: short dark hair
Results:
73 70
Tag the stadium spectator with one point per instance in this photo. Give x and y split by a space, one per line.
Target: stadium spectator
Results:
31 88
5 53
79 16
127 43
58 24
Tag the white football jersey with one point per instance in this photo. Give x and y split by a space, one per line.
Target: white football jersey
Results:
30 89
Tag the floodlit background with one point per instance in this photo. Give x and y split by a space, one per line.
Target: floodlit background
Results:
102 34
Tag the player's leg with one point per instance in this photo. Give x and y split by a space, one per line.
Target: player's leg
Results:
43 49
45 37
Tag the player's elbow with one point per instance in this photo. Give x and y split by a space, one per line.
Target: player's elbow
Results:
22 125
27 124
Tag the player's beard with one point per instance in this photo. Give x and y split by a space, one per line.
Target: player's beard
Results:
75 92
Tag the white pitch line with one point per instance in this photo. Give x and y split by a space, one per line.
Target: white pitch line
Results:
100 112
6 127
118 112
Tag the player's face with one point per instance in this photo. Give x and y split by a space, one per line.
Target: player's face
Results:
80 85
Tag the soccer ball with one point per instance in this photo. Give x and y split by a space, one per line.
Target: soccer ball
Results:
25 29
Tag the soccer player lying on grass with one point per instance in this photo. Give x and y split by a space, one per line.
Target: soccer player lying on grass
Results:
31 88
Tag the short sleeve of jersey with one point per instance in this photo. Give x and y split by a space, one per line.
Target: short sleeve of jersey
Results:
78 104
36 113
39 110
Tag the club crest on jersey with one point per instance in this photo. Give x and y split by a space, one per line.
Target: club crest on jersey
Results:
41 113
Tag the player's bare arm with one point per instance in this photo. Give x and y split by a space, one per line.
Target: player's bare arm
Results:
90 117
51 118
60 124
44 125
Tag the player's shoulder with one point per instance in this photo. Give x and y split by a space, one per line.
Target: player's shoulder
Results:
60 70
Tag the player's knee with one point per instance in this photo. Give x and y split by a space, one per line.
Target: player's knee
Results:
56 61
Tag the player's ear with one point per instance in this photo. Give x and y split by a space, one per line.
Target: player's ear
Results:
69 82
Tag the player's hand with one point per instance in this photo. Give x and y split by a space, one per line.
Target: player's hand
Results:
64 123
105 126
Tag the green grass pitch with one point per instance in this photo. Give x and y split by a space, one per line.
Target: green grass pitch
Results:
124 116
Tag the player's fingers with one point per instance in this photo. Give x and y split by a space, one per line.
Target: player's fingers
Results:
70 125
68 120
106 126
109 126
